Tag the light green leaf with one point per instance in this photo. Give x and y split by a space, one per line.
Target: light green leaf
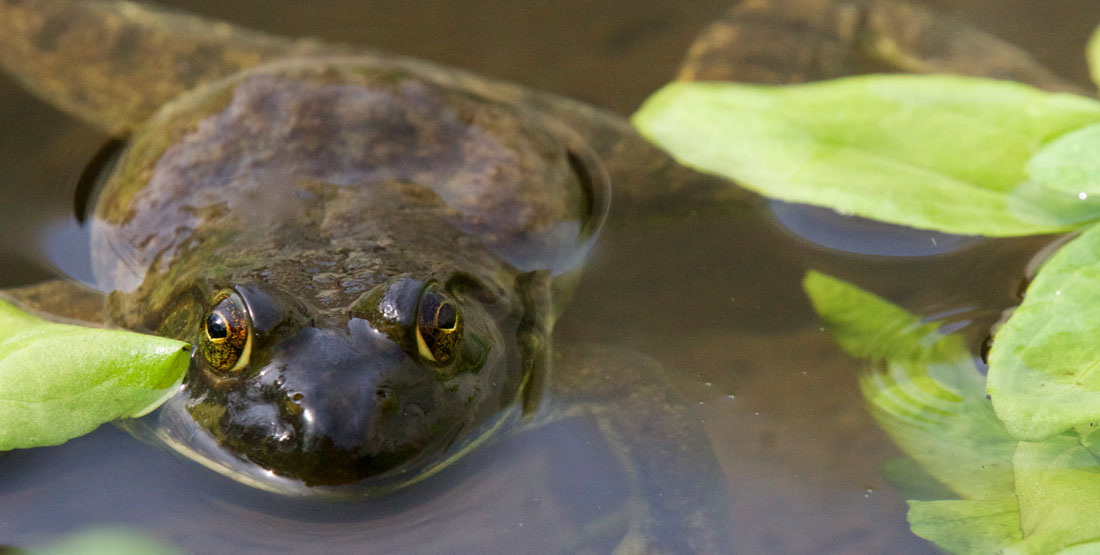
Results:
1042 368
1058 488
967 526
1092 54
937 152
1087 548
1069 163
59 381
1089 436
924 391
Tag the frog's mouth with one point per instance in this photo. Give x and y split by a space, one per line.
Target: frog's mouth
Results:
331 409
173 425
272 436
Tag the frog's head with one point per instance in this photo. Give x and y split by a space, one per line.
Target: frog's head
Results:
377 392
362 256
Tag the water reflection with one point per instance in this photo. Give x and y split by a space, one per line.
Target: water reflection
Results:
924 389
64 243
488 503
718 303
828 228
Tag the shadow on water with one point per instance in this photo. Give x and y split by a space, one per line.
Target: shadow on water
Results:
716 301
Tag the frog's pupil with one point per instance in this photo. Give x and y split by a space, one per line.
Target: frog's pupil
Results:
445 316
216 326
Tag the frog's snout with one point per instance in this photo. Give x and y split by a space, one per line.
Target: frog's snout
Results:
332 408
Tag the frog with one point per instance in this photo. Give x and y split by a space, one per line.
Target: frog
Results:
369 252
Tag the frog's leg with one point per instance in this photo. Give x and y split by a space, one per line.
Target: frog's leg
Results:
790 41
59 300
113 64
678 499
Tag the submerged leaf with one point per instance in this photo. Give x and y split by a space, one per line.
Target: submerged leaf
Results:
869 327
924 389
60 381
935 152
1058 488
965 525
1019 496
1042 368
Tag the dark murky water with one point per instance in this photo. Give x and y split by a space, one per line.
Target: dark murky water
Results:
716 300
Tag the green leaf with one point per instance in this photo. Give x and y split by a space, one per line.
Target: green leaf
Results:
59 381
967 526
1092 54
1087 548
1069 164
1058 488
924 391
1042 368
938 152
1089 436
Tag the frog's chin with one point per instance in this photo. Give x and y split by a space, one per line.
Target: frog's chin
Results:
172 426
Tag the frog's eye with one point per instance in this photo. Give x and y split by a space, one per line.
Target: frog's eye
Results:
226 339
438 325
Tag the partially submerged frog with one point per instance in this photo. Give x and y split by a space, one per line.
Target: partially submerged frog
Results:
369 252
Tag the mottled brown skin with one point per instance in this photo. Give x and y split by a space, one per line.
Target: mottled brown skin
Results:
331 186
311 186
116 63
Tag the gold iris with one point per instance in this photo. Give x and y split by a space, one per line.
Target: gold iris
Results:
438 325
226 341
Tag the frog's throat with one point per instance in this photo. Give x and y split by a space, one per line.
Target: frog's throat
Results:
172 426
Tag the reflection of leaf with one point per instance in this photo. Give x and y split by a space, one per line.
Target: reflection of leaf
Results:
1018 496
60 381
1042 368
106 541
965 525
925 390
1058 487
908 477
935 152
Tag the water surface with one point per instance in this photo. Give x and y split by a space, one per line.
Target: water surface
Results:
717 300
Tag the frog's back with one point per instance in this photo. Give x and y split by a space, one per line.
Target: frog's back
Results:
311 150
